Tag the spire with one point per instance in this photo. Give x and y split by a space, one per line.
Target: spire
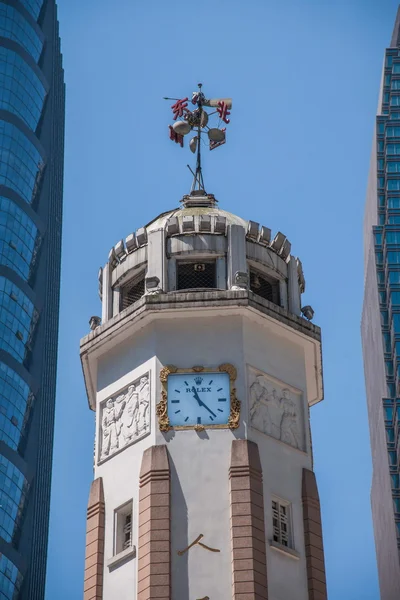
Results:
197 121
395 43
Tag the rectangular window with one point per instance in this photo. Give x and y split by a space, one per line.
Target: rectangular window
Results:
192 275
381 182
393 149
388 413
391 167
392 131
381 200
123 528
379 258
381 219
387 79
394 116
393 185
392 237
389 368
396 504
386 342
396 322
381 164
393 202
378 238
381 146
394 100
381 276
395 296
395 482
389 61
132 291
394 277
396 84
393 258
382 297
385 320
394 220
386 97
396 66
390 435
390 390
281 523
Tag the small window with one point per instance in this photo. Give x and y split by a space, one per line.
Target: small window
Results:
281 523
132 292
264 286
192 275
123 528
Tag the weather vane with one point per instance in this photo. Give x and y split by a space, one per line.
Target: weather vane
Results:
197 120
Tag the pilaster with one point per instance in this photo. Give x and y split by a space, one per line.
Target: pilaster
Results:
154 556
313 538
294 290
237 261
249 565
156 262
94 557
107 299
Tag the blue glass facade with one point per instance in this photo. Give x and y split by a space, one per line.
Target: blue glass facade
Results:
32 100
387 257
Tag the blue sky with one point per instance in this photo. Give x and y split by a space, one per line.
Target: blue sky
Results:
304 78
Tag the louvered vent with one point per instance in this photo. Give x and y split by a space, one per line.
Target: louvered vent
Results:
196 275
132 292
264 287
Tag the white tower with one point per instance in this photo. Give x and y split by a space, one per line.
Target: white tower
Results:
201 375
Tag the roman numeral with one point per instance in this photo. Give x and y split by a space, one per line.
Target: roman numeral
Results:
221 399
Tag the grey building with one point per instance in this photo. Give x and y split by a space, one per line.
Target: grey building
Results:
32 99
381 321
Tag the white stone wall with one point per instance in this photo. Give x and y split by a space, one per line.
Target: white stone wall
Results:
200 461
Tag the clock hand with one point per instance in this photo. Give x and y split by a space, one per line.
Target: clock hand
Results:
201 403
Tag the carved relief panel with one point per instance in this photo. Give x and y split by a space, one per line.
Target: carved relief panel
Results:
276 409
124 417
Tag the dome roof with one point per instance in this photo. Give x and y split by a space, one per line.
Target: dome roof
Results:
161 221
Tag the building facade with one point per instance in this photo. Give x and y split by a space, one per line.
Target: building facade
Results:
201 373
381 321
31 180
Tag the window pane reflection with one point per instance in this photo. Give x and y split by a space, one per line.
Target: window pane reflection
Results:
19 238
21 91
15 402
15 27
20 161
17 317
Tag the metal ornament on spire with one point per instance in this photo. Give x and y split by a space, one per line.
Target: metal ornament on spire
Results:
197 120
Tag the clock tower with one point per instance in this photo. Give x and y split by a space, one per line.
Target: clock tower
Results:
201 372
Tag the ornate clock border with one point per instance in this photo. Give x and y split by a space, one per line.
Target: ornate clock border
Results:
162 406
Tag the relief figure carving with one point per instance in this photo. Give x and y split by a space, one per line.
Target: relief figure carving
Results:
126 418
273 412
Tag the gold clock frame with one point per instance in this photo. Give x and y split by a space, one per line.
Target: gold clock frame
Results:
162 406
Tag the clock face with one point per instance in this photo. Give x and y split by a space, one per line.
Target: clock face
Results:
198 399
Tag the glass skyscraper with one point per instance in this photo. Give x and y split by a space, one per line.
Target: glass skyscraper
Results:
381 321
32 98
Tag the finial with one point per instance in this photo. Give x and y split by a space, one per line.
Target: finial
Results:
198 121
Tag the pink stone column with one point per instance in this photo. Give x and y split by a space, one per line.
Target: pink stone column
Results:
247 523
154 555
94 557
